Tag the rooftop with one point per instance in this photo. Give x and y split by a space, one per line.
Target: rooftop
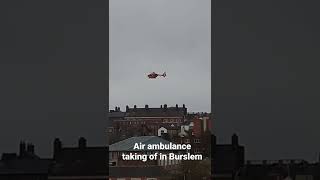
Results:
163 111
151 171
25 166
128 144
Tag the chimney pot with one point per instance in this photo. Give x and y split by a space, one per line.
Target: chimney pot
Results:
30 148
22 148
57 146
82 143
235 140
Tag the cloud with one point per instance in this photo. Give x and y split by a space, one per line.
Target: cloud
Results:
153 35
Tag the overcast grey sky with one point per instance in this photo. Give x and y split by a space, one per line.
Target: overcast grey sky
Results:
160 35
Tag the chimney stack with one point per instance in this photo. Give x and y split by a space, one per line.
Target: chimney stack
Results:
57 146
127 108
235 141
146 106
184 109
82 143
214 142
22 149
30 148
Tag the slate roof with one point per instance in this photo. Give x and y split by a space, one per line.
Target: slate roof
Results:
227 158
256 170
156 112
75 153
149 171
128 144
76 161
116 114
25 166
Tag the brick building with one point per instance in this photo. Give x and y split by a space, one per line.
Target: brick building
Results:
24 166
136 173
200 122
144 121
82 162
127 146
295 169
171 123
227 159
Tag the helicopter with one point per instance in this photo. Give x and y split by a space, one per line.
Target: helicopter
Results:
154 75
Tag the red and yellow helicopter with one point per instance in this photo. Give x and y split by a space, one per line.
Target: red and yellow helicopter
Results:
154 75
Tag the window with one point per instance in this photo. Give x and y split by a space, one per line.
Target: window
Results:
196 140
197 150
187 140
